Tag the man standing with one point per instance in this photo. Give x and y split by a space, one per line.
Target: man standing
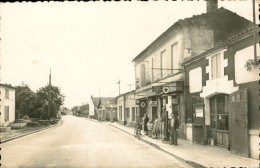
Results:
145 121
164 122
174 124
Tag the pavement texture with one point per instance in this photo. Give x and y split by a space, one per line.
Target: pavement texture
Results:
18 133
194 154
80 142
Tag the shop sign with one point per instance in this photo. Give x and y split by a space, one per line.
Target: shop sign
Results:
166 89
142 104
174 101
199 112
153 103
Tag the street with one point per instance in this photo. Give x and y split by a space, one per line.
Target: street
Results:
80 142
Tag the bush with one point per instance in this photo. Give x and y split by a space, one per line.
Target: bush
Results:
26 117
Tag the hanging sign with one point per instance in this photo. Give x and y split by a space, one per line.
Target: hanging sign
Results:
142 104
199 112
166 89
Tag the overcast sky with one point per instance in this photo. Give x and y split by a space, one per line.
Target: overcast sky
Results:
87 45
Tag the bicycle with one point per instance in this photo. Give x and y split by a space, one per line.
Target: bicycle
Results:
137 131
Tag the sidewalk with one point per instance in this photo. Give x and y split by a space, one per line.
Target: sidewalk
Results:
18 133
195 154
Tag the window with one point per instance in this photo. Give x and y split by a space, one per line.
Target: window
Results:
163 64
174 58
120 112
127 112
133 114
216 66
6 113
7 93
142 69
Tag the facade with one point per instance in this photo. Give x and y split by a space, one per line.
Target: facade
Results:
158 68
126 109
222 96
104 108
7 105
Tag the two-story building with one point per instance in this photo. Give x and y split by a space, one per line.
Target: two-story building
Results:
222 96
158 68
7 105
126 109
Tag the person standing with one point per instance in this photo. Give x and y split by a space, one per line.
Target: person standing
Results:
145 121
174 126
164 125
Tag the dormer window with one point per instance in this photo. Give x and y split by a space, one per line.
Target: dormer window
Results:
216 66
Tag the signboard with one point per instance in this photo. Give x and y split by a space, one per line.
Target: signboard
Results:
166 89
156 89
153 103
199 112
142 104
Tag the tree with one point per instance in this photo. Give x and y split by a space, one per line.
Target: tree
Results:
24 101
57 100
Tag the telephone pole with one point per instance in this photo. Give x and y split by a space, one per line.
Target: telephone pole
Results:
49 97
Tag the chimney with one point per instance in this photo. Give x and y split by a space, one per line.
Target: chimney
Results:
212 5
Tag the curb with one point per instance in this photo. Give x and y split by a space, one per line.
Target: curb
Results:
191 163
28 133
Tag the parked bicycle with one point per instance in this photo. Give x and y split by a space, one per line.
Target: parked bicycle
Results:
137 130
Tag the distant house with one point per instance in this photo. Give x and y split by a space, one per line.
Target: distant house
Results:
126 109
7 105
83 110
104 108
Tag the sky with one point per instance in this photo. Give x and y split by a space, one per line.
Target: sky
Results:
87 46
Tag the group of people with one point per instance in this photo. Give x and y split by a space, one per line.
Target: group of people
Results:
159 126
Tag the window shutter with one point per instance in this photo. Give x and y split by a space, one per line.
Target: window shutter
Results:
142 82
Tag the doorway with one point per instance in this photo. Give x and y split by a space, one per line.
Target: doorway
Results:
219 119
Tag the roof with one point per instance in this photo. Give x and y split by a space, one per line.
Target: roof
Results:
7 85
126 93
219 45
105 101
223 22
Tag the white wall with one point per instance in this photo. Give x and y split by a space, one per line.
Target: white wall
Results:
241 74
156 55
7 102
195 80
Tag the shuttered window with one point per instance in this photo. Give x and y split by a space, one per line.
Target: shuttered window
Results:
6 113
133 114
7 93
216 66
142 68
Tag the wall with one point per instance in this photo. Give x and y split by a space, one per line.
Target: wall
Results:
196 41
156 58
7 102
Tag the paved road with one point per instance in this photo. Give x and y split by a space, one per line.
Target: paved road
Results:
81 143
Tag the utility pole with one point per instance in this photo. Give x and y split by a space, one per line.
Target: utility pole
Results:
119 85
49 97
254 30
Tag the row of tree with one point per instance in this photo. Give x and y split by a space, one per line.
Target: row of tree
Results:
35 104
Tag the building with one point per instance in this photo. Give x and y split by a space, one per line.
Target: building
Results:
158 68
126 109
104 108
222 97
7 105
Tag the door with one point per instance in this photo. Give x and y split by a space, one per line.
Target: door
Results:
198 120
239 139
